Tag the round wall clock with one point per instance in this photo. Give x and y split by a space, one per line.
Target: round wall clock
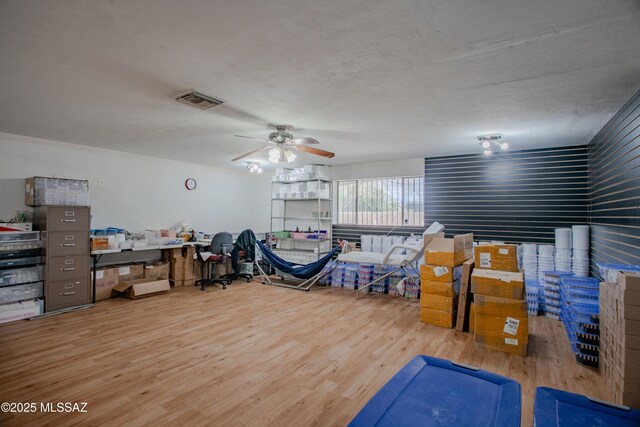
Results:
190 183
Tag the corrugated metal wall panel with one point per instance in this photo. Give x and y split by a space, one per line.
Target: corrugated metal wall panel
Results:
518 196
352 232
614 178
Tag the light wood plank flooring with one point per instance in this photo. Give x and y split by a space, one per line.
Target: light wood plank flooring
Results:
248 355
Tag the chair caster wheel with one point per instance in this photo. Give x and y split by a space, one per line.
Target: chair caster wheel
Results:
248 280
202 288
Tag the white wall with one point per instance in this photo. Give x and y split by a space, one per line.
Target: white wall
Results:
139 192
410 167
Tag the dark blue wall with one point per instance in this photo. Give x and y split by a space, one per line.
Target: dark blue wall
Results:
614 178
514 196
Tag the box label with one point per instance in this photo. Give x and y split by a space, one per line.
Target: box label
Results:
123 271
440 271
100 274
511 326
511 341
485 260
503 251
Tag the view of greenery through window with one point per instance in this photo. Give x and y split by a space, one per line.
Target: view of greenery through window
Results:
381 201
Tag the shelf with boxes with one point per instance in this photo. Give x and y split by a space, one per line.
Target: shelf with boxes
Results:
301 206
21 275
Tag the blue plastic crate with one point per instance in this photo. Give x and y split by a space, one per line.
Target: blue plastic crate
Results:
582 296
580 282
609 271
560 408
555 276
436 392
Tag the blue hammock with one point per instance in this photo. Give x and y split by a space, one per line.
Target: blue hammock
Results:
301 271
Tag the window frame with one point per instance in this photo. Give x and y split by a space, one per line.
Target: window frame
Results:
403 200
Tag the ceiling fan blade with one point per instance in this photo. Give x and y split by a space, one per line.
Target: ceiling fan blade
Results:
311 150
250 153
305 140
250 137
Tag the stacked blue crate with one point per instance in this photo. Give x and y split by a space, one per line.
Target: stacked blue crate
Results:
533 290
326 278
395 278
411 288
579 315
551 292
337 277
350 277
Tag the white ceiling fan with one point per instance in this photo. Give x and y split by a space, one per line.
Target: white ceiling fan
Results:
282 145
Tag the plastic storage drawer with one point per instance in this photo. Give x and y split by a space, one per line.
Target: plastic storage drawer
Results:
20 292
560 408
436 392
18 276
19 236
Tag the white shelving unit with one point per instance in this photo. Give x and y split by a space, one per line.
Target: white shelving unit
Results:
303 205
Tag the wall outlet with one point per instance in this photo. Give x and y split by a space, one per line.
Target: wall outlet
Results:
100 182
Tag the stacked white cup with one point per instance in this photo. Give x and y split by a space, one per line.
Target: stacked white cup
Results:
580 265
545 260
529 260
563 249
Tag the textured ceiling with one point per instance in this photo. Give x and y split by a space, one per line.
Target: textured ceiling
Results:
371 80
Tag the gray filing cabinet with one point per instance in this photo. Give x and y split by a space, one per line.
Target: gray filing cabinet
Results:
65 232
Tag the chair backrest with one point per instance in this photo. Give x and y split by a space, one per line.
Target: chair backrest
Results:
221 243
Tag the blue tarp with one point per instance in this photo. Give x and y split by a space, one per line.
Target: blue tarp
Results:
300 271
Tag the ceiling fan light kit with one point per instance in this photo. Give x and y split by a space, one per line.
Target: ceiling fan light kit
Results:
254 167
488 142
282 145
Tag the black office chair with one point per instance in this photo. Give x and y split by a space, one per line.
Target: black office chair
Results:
243 253
220 246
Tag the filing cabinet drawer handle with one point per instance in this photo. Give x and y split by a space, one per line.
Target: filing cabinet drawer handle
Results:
66 294
67 220
67 245
68 269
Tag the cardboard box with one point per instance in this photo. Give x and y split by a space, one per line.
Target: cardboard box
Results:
464 299
472 318
176 283
173 255
106 280
449 252
439 318
99 243
156 271
437 273
438 302
516 327
439 288
128 273
501 307
497 257
500 342
497 283
143 288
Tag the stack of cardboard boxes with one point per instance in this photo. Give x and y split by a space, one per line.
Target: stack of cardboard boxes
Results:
121 278
620 337
440 278
181 266
500 309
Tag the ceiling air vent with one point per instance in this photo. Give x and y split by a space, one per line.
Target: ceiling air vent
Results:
198 100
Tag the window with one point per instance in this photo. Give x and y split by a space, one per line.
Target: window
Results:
381 201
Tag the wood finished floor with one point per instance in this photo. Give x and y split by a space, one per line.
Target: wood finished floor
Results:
248 355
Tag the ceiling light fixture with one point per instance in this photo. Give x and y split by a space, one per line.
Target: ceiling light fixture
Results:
281 155
254 167
487 142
